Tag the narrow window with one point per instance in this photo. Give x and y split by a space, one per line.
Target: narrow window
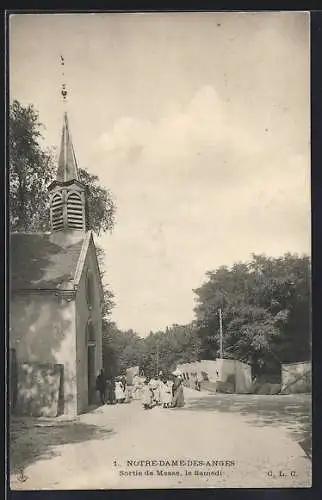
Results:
75 211
89 290
90 333
57 212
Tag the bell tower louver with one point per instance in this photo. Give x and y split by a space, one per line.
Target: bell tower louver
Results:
67 192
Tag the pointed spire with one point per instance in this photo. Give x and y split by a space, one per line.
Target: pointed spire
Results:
67 192
67 164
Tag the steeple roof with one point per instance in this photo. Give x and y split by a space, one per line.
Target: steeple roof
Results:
67 164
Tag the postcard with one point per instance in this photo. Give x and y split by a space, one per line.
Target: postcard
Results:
160 267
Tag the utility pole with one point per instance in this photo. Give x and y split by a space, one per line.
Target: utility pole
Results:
157 356
220 335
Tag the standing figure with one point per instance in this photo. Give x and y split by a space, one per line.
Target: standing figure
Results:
112 394
147 396
124 382
119 392
198 382
158 388
155 386
177 391
101 386
127 393
136 387
166 393
110 391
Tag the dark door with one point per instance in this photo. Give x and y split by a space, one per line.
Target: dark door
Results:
91 373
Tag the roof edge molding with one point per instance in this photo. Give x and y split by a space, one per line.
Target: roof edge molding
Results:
82 257
81 261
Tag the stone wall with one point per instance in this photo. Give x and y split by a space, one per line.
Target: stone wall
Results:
219 370
40 390
200 369
42 331
244 384
296 378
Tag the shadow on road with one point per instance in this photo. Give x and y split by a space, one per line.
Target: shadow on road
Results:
292 412
33 439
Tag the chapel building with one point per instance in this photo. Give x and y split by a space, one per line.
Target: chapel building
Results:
56 301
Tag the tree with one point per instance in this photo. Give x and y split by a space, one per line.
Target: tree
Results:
163 350
32 168
100 204
266 310
108 294
110 351
287 283
121 349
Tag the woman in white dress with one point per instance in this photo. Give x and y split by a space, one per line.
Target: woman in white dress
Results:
137 386
166 393
147 396
119 392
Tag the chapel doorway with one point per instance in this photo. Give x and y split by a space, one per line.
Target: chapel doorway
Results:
91 375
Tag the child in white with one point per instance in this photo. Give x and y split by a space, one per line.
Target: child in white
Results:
166 393
147 396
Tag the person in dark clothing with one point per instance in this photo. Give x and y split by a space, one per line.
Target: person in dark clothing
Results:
101 386
177 391
110 391
113 401
123 380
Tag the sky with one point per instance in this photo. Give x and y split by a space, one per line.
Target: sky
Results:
198 123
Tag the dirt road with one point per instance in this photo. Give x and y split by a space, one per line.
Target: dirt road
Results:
124 446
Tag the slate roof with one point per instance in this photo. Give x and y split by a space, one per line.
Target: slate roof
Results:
37 263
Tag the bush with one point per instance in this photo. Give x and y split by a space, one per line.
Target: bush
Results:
267 388
225 387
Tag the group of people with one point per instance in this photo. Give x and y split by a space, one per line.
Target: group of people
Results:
162 391
112 390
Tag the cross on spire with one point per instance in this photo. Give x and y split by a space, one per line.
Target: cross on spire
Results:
67 164
63 90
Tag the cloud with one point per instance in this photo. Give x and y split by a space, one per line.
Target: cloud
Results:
207 141
198 188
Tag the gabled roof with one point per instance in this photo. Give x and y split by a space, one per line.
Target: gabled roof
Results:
37 263
88 243
67 164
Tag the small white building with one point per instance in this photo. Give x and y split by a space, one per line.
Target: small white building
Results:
220 370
